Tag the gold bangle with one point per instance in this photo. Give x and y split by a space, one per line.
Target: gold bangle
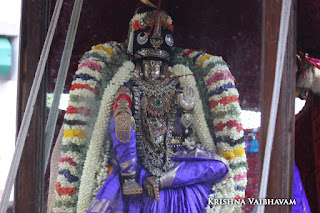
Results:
123 90
122 109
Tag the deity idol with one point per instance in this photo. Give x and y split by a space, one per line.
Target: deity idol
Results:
150 149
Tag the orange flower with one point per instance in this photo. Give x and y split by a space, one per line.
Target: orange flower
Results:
63 191
71 191
58 186
239 197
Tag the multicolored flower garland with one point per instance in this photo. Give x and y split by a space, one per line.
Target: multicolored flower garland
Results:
91 167
79 116
93 79
227 125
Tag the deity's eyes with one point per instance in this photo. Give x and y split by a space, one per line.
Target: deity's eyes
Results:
169 40
142 38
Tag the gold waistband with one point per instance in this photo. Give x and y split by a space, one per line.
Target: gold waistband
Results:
176 140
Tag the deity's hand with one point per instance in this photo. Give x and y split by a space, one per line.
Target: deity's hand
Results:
187 98
123 121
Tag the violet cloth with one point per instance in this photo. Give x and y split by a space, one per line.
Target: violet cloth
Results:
185 186
298 193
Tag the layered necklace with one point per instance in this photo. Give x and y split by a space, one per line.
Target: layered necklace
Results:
155 108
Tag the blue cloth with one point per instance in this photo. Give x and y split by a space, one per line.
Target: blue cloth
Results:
298 193
184 187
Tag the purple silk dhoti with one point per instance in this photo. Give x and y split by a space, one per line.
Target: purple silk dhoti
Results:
184 187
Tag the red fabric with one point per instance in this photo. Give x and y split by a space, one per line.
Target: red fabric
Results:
123 96
307 152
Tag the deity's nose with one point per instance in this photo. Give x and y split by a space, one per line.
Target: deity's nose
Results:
156 39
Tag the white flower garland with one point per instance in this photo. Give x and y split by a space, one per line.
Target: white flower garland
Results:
78 104
229 92
103 173
76 116
83 93
94 73
216 69
224 189
220 83
63 209
75 140
91 83
74 155
90 165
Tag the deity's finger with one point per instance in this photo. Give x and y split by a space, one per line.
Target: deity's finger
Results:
123 136
128 137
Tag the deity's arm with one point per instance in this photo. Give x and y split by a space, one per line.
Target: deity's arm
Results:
122 131
125 153
122 114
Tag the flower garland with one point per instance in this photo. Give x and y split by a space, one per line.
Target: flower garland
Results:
96 76
225 118
79 114
137 22
98 135
224 97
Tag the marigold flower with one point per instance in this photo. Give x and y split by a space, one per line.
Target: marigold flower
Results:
203 58
228 155
238 152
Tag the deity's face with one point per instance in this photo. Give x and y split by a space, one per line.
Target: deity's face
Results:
151 69
152 36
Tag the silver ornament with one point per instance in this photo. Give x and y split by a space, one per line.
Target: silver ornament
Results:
169 40
142 38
